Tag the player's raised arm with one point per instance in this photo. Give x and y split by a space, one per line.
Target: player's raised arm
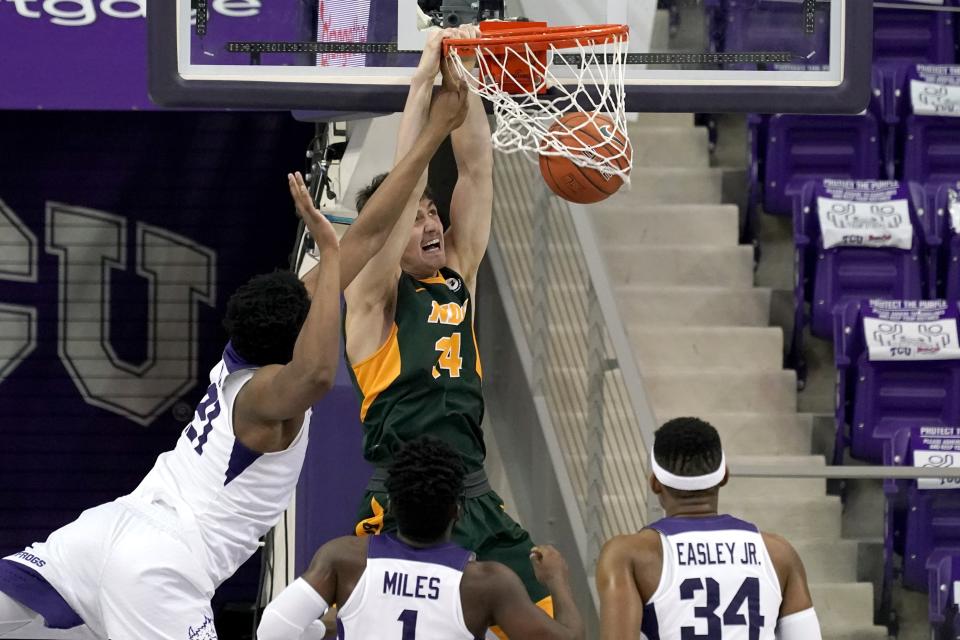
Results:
371 231
471 206
424 125
283 392
621 607
510 607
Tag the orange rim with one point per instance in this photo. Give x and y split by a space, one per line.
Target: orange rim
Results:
540 38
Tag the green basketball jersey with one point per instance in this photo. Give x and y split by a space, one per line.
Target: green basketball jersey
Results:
426 378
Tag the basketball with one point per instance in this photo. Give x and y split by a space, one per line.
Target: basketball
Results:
580 184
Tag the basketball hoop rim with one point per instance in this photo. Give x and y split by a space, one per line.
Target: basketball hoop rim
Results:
541 38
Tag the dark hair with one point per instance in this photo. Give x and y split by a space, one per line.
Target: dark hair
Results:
425 485
264 317
364 195
687 447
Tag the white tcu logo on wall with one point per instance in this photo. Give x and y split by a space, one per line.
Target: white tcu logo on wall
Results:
91 246
18 262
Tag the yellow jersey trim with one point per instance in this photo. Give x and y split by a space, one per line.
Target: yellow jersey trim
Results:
376 373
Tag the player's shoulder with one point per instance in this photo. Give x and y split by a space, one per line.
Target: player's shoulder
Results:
486 573
637 547
778 547
350 550
784 557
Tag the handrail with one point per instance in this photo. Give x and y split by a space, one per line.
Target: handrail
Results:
840 472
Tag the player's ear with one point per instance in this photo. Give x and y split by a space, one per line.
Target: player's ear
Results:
726 477
655 485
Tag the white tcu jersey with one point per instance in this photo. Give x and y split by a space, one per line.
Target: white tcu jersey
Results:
717 582
234 494
406 593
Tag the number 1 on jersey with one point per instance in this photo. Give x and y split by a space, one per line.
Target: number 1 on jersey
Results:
450 359
409 620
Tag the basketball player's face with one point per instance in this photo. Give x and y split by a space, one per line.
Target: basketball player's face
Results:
424 255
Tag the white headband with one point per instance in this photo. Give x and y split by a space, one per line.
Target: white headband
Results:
689 483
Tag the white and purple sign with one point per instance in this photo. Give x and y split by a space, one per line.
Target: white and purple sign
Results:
936 447
864 213
935 90
909 330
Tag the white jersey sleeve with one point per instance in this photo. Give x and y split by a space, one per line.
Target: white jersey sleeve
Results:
717 582
407 593
233 495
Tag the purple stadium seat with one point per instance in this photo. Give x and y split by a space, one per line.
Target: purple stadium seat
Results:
922 528
932 149
890 396
932 128
903 37
879 398
829 278
888 103
943 567
933 526
803 148
945 198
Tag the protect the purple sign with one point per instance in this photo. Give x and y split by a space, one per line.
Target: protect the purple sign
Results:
939 448
935 90
911 330
864 213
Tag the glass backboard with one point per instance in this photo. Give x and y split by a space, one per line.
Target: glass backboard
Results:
358 55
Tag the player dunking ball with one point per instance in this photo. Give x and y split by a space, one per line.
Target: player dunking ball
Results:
145 566
410 337
415 583
695 573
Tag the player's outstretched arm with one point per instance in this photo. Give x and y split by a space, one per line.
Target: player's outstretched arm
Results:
506 603
295 613
398 198
282 392
621 607
471 206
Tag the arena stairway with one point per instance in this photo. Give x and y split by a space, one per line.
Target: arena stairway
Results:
701 336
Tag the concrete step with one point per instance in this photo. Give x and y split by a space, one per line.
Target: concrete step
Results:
845 610
638 124
857 633
744 348
685 147
828 559
694 306
796 488
704 391
636 224
757 433
672 185
707 265
793 519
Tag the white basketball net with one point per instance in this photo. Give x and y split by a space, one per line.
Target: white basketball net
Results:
524 119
